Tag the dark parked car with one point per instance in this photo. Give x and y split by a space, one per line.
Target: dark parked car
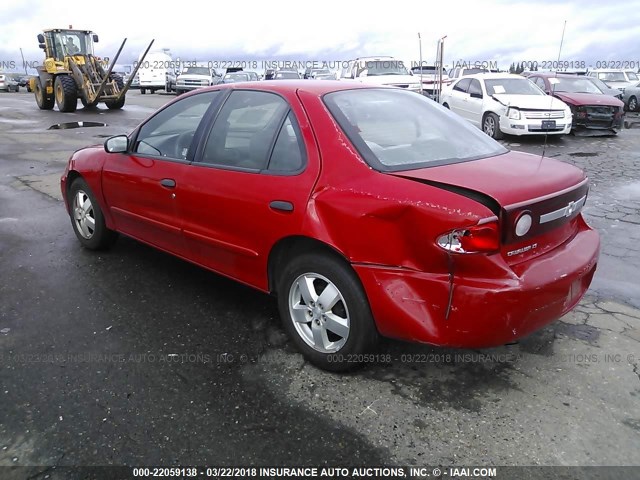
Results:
365 210
591 108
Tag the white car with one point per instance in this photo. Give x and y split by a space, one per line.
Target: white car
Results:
500 103
381 71
619 79
192 78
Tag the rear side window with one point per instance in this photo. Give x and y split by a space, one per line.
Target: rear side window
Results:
287 154
255 131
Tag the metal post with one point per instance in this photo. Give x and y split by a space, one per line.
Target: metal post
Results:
420 46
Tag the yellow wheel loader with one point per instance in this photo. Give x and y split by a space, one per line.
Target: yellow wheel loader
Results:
71 71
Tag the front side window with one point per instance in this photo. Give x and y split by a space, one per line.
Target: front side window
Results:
169 133
396 130
539 81
475 87
245 130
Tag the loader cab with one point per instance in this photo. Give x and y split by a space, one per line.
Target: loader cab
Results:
58 44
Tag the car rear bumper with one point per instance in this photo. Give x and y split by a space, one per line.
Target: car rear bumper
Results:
485 312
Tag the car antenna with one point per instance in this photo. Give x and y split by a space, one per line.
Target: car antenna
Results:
553 89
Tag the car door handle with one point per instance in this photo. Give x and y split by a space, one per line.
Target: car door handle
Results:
168 182
281 205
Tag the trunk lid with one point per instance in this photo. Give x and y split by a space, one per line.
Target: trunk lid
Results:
514 184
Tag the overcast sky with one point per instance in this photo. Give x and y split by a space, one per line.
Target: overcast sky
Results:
485 30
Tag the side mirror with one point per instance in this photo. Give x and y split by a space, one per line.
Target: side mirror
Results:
475 95
42 46
40 38
117 144
95 38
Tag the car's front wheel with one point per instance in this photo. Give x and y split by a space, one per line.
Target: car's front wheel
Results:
87 218
325 311
491 126
633 104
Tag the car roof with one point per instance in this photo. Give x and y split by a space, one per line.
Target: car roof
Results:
315 87
493 76
553 75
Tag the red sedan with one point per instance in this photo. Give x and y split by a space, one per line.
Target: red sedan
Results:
366 210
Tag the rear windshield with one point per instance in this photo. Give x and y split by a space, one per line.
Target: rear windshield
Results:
397 130
612 76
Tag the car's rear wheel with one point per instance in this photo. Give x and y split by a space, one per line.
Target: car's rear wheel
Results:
491 126
633 104
87 218
446 105
325 311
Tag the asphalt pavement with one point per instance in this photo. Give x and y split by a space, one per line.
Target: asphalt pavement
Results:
133 357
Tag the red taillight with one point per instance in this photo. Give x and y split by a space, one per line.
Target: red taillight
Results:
481 238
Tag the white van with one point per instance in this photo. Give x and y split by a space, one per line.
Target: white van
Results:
157 72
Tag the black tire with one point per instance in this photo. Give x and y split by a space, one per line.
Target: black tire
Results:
352 306
66 93
44 101
446 105
116 105
633 104
491 126
143 91
99 237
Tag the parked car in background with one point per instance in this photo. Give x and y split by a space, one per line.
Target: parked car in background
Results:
381 71
157 72
364 210
631 96
124 70
604 88
501 103
286 75
192 78
459 72
325 76
253 76
619 79
314 72
430 78
235 77
8 83
591 109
